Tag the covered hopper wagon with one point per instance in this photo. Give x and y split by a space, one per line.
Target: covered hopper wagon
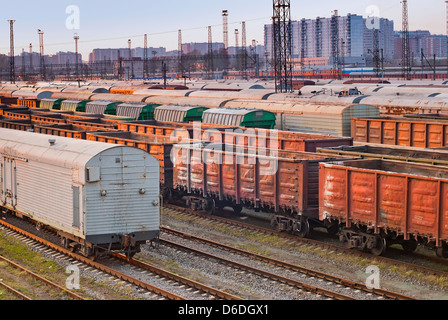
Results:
246 118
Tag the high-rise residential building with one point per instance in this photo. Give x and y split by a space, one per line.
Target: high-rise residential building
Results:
385 40
315 38
422 40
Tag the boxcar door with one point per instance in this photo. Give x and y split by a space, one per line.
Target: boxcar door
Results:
9 183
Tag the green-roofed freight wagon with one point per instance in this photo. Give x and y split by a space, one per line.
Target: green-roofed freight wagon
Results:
51 104
137 111
74 105
103 107
246 118
176 113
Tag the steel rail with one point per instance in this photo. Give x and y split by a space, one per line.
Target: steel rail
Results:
180 279
290 266
40 278
120 275
316 243
14 291
262 273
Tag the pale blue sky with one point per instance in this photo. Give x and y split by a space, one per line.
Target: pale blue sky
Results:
105 24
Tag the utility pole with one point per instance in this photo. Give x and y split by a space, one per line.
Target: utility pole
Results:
237 49
145 56
446 22
120 67
12 68
132 76
406 54
282 45
210 52
376 52
42 57
31 58
76 38
433 67
335 45
164 71
23 64
179 52
255 58
244 48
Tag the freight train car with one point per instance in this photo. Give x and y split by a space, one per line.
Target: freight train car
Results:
137 111
402 131
379 202
377 151
279 182
74 105
98 197
175 113
52 104
30 103
158 147
245 118
102 107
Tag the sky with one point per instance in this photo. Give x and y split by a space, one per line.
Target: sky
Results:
109 24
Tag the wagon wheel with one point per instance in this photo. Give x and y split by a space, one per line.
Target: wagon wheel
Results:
64 242
442 252
304 229
237 209
333 229
211 206
168 195
380 247
274 222
409 246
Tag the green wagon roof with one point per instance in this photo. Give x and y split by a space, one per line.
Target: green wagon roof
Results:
250 118
178 113
137 111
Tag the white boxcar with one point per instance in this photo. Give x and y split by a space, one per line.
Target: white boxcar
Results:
97 196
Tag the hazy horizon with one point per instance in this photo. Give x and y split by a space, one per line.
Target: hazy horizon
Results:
105 24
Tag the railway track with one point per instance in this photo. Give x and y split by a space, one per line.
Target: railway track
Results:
14 291
40 279
347 284
311 242
199 290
